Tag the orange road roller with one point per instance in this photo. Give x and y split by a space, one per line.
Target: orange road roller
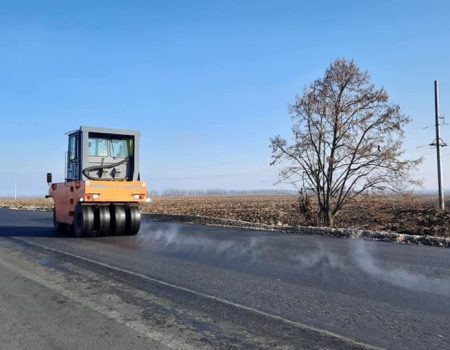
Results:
102 189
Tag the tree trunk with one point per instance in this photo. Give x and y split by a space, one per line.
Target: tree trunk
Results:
326 217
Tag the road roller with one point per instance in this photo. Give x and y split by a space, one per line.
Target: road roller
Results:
102 189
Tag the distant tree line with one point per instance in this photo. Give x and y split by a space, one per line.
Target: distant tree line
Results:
175 192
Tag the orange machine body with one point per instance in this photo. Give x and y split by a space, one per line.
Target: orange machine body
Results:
67 195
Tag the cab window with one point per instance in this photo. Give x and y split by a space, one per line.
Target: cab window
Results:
97 147
120 148
73 147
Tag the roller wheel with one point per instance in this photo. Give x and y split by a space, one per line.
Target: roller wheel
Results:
83 221
58 226
133 221
103 219
118 220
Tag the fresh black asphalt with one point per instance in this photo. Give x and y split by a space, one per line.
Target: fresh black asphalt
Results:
258 289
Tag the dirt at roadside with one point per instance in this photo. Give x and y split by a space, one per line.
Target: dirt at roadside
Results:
416 215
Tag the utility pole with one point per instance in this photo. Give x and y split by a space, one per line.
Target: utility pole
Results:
438 144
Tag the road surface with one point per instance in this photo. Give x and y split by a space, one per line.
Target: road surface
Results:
177 286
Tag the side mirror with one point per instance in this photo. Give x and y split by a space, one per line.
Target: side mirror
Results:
49 178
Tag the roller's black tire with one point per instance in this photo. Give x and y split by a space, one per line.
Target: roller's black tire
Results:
58 226
83 221
102 221
133 221
118 220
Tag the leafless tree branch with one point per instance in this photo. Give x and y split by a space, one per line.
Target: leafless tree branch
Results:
347 140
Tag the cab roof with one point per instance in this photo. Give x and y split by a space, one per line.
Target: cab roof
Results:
99 130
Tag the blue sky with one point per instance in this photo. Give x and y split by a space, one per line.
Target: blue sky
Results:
206 82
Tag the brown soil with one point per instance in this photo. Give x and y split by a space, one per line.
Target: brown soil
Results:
402 214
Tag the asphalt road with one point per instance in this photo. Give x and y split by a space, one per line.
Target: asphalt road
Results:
179 286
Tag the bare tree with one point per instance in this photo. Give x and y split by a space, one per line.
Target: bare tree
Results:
347 140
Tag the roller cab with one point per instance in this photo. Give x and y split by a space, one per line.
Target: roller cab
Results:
102 189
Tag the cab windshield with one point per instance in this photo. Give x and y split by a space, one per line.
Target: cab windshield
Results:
119 148
112 147
98 147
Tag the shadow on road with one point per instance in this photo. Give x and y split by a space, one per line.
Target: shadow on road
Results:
29 231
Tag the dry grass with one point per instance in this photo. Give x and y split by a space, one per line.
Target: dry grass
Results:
403 214
27 203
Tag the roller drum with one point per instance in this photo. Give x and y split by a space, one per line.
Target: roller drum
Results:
118 220
83 221
103 221
133 221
